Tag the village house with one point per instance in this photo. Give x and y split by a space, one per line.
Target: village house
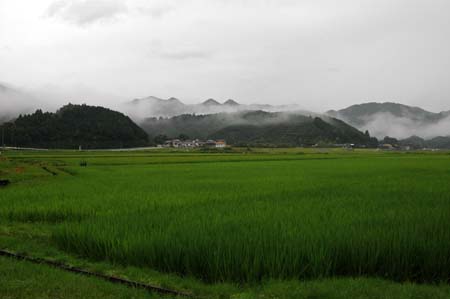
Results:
215 143
177 143
386 146
221 143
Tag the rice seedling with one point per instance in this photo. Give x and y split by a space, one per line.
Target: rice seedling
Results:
250 219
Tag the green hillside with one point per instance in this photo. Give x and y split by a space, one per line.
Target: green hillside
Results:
259 128
73 126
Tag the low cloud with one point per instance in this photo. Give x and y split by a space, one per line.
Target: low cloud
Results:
186 54
387 124
179 52
86 12
156 11
140 109
334 70
5 48
17 100
14 101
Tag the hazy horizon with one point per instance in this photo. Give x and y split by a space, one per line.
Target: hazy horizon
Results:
319 55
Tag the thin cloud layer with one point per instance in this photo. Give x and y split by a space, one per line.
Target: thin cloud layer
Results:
318 54
14 101
157 10
86 12
186 54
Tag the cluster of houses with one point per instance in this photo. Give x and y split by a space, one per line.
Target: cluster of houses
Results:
177 143
395 147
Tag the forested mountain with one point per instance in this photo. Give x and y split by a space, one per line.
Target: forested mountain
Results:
439 142
259 128
73 126
396 120
358 114
298 133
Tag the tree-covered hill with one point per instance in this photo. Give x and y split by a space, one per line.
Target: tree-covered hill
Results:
259 128
440 142
73 126
305 133
395 120
358 115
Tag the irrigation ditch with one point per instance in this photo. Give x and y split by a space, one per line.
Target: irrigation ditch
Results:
110 278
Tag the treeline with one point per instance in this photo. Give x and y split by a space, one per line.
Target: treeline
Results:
293 134
73 126
415 142
259 128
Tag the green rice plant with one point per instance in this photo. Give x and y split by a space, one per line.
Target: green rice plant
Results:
264 216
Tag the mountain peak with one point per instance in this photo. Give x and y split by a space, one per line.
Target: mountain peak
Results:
174 100
211 102
231 102
153 98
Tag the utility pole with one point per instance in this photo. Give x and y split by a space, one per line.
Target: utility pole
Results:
13 141
3 137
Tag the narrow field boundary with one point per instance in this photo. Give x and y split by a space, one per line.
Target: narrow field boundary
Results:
45 168
113 279
99 164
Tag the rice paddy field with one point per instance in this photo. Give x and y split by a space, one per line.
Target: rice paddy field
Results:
260 223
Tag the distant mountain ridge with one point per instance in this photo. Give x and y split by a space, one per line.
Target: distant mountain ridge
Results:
395 120
156 107
379 119
357 114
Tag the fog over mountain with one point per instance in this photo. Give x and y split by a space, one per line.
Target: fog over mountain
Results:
380 119
140 109
258 128
395 120
14 102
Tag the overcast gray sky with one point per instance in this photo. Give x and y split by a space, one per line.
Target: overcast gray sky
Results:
319 54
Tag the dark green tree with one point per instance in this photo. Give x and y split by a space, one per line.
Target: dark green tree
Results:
160 139
73 126
183 137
